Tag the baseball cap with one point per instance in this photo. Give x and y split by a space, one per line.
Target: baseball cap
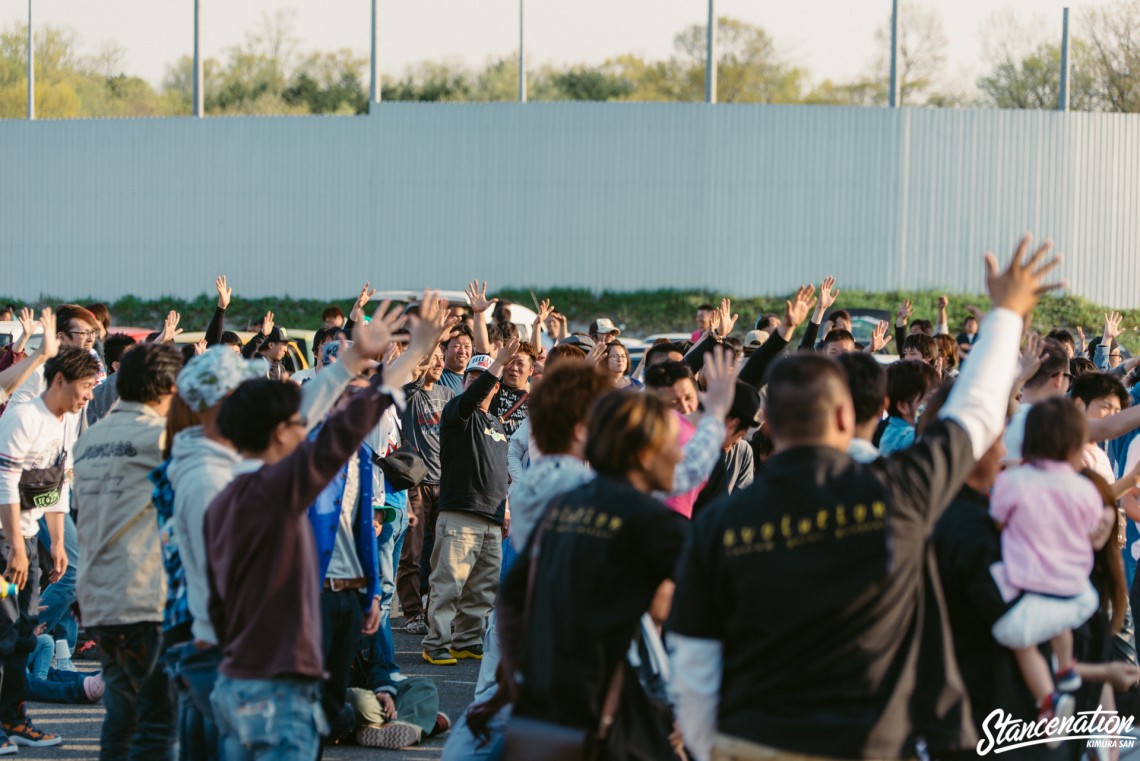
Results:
480 363
746 404
276 336
210 377
604 325
583 342
754 339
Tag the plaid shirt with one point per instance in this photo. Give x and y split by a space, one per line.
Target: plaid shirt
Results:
177 612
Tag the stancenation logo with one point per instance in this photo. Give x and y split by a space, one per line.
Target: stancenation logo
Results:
1100 728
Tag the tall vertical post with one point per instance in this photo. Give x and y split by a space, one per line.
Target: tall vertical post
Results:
522 54
31 67
893 93
374 75
1063 100
199 90
710 56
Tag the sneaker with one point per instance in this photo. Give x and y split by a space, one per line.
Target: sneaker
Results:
24 732
439 658
93 687
392 736
396 676
417 626
474 652
1059 705
442 724
1068 680
7 747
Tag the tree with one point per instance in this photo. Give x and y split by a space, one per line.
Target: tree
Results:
329 83
586 83
749 70
430 82
1033 80
1113 33
922 55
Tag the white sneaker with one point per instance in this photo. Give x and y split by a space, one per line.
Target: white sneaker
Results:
392 736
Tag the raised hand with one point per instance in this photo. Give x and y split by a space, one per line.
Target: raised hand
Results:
509 351
49 346
27 321
880 336
596 352
976 313
828 293
371 339
224 292
544 311
1020 286
719 373
796 309
267 324
434 320
200 347
366 294
1112 327
726 318
1081 344
904 312
1031 359
170 327
477 295
943 302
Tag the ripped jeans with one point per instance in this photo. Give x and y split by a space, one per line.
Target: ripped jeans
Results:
269 719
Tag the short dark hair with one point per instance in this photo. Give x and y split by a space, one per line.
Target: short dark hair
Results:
321 336
660 349
908 380
840 313
923 344
460 329
73 363
667 374
767 322
562 353
1079 366
1062 336
68 312
836 335
1056 361
802 391
1092 386
925 327
622 425
148 372
1054 430
867 382
332 312
115 345
562 401
494 335
249 415
102 314
230 338
706 308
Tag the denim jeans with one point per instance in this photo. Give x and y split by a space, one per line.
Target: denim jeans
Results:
139 723
17 632
381 647
341 621
194 672
58 687
269 719
58 597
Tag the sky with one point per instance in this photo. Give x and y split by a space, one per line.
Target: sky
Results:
831 38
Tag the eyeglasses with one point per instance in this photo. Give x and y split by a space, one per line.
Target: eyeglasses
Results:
82 333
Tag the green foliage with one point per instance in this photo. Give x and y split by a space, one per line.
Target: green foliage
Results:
640 312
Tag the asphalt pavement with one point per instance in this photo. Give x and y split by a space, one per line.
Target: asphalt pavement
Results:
79 725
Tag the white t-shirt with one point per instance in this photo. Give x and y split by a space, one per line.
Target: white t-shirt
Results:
1015 434
32 437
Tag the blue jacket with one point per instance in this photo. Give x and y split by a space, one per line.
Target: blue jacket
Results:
324 515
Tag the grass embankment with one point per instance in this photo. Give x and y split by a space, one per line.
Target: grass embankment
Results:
640 312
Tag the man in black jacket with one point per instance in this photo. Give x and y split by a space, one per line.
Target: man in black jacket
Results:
468 551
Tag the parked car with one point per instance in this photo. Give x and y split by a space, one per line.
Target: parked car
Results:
296 356
522 317
10 330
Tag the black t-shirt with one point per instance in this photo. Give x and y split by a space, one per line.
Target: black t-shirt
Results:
473 454
606 549
507 400
814 580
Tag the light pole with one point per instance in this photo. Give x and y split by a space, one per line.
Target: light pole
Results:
31 67
1063 100
893 93
199 95
710 56
374 77
522 55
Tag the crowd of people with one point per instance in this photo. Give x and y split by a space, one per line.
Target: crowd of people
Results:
737 549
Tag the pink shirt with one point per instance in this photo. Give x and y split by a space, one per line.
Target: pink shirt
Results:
1048 511
683 503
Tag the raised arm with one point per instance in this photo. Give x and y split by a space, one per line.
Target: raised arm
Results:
943 325
14 377
218 322
477 295
828 293
795 311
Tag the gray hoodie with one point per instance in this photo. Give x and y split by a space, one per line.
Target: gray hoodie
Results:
201 468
